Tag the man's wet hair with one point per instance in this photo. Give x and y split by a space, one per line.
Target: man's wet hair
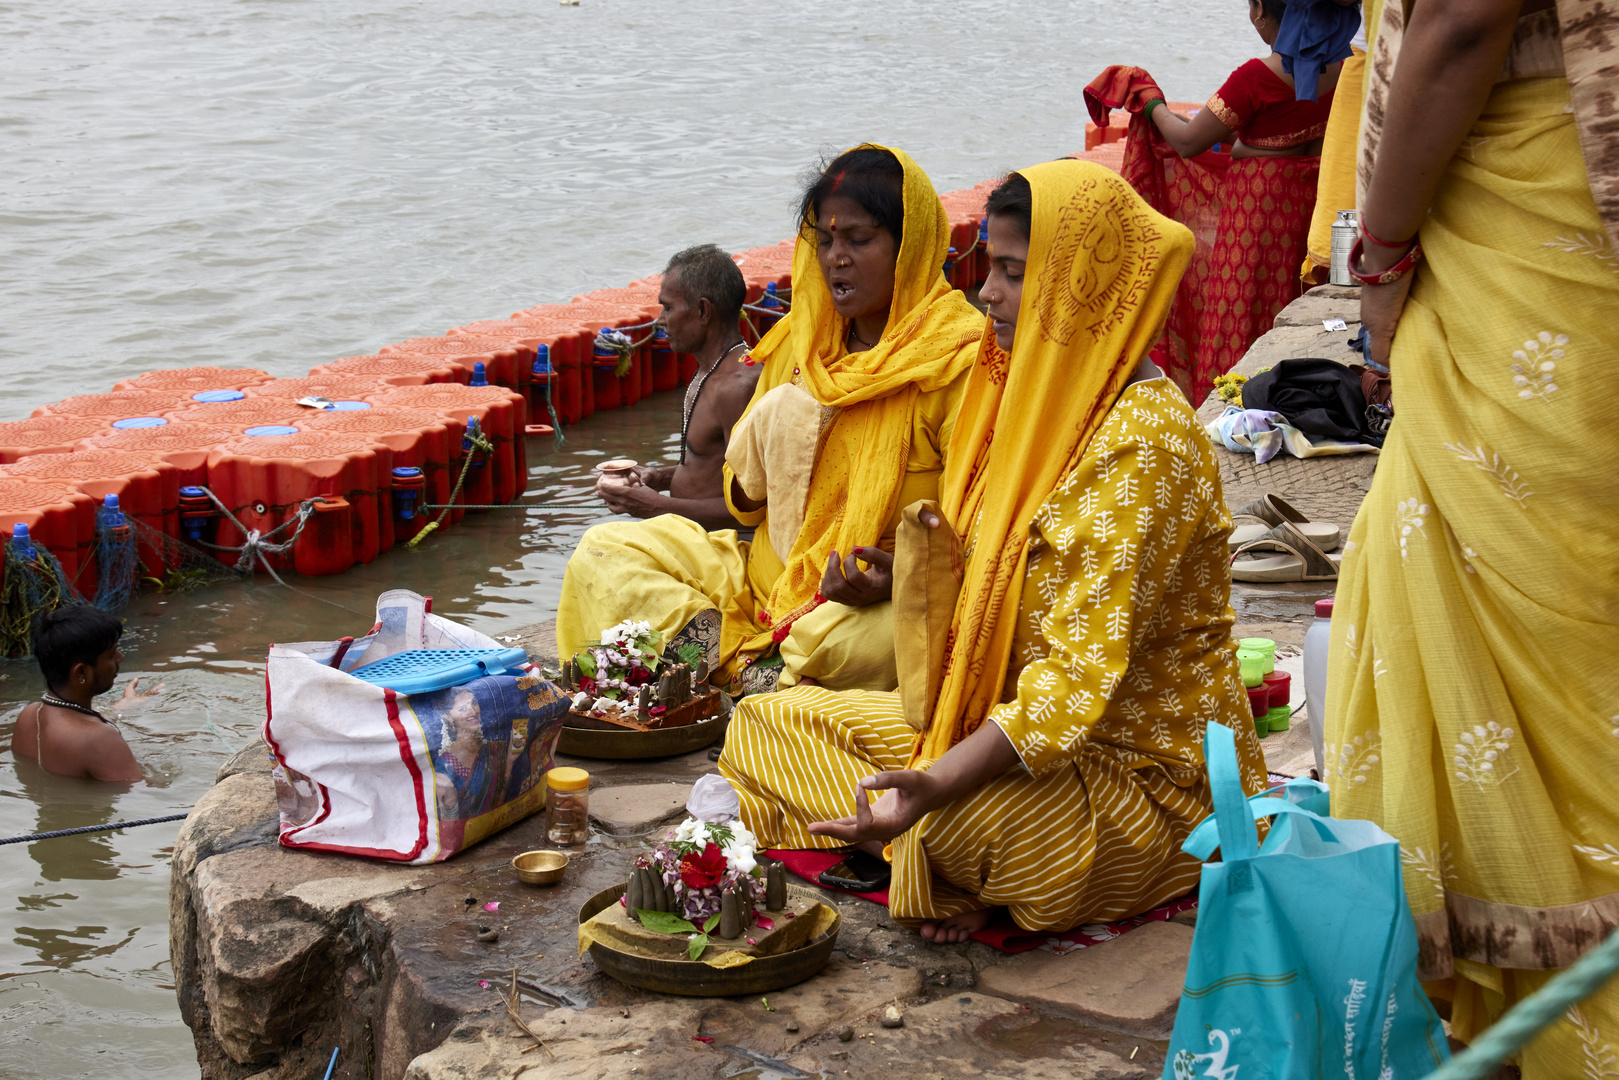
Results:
1015 200
73 635
872 177
707 273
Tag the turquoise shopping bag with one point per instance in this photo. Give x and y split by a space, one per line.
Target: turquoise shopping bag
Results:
1304 960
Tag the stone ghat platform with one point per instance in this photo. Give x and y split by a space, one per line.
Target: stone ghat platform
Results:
281 955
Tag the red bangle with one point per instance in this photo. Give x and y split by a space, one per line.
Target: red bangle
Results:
1389 276
1381 243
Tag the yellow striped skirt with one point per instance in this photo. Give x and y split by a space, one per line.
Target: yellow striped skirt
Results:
1091 842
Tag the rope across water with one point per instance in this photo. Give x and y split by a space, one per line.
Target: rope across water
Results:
31 837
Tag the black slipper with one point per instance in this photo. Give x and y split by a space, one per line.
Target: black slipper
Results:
858 872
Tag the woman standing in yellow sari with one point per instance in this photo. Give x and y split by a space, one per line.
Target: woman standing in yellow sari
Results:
1473 705
1092 627
848 425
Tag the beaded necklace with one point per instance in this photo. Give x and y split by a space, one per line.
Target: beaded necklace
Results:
695 391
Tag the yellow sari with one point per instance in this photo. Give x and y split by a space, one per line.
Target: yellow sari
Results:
1094 619
887 416
1473 706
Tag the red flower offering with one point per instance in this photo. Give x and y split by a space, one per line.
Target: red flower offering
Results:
702 871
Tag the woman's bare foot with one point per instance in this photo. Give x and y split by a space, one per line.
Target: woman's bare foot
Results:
957 928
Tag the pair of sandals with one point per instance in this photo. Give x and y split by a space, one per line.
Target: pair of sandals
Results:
1270 524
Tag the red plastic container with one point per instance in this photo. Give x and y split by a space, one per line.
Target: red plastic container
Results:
185 446
118 405
398 370
264 479
425 440
569 342
148 489
238 416
59 517
46 435
195 380
635 319
502 416
1259 701
1280 684
665 365
505 363
331 387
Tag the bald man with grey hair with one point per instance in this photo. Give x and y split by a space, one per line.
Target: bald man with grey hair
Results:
702 294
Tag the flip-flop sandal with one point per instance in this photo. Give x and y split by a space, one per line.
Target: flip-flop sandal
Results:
1300 560
1259 517
858 872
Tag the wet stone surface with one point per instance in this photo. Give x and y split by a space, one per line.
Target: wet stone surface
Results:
282 955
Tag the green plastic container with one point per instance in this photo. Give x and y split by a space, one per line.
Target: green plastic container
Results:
1279 718
1253 667
1261 645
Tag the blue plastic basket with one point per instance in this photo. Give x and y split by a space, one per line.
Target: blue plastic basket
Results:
417 671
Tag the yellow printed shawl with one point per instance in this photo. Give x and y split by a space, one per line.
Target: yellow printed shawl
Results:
1102 272
929 341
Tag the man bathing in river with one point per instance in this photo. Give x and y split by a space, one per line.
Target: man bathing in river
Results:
702 296
77 649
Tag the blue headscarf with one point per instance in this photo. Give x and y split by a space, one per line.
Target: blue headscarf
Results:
1314 33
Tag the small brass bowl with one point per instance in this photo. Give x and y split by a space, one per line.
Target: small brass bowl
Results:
540 867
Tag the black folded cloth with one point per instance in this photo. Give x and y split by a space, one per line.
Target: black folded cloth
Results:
1319 397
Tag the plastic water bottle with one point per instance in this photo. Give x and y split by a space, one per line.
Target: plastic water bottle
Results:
1315 679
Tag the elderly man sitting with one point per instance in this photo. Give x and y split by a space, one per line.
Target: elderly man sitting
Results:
702 297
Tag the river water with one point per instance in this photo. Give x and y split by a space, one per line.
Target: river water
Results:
277 183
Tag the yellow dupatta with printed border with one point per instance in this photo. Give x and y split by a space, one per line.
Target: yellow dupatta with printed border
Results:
1102 273
930 340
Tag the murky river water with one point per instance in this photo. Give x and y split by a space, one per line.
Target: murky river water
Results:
276 183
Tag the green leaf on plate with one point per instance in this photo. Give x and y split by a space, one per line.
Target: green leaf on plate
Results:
711 922
664 922
695 947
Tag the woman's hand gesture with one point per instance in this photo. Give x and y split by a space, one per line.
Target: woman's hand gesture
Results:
908 794
845 583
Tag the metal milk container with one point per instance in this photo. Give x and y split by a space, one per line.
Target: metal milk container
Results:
1344 232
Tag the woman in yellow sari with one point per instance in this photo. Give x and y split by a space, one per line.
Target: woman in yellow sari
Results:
1472 701
848 425
1092 625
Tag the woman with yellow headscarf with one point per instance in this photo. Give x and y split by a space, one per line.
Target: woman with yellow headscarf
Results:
1092 624
848 425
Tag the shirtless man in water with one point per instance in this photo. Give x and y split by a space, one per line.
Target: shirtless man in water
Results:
77 649
702 295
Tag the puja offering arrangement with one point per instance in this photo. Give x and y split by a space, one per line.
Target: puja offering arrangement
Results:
624 683
707 893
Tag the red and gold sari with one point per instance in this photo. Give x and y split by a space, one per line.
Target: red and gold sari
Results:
1250 216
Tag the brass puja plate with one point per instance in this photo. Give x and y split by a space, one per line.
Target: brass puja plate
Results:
693 978
691 726
625 745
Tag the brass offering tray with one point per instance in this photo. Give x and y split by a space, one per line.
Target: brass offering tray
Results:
693 978
689 720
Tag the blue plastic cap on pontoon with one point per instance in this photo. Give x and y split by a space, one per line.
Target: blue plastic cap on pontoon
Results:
270 429
138 422
350 406
479 376
212 396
